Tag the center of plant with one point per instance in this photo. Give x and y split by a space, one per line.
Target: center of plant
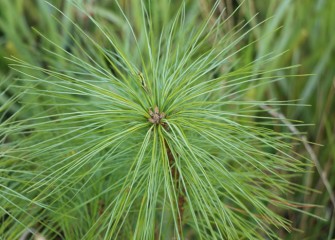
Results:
156 116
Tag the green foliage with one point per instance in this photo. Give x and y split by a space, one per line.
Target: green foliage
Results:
142 120
306 33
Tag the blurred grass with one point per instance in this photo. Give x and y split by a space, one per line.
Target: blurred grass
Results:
308 34
304 31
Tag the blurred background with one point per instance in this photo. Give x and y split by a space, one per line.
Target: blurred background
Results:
302 33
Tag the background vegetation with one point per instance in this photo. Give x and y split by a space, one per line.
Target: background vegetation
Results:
300 33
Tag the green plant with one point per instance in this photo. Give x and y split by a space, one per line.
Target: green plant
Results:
146 129
305 33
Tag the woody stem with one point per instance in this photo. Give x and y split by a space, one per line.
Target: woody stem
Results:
180 191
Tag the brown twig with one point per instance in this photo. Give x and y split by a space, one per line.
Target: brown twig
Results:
307 146
156 118
180 190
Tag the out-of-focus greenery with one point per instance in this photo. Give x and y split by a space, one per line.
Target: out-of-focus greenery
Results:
307 34
304 30
300 32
